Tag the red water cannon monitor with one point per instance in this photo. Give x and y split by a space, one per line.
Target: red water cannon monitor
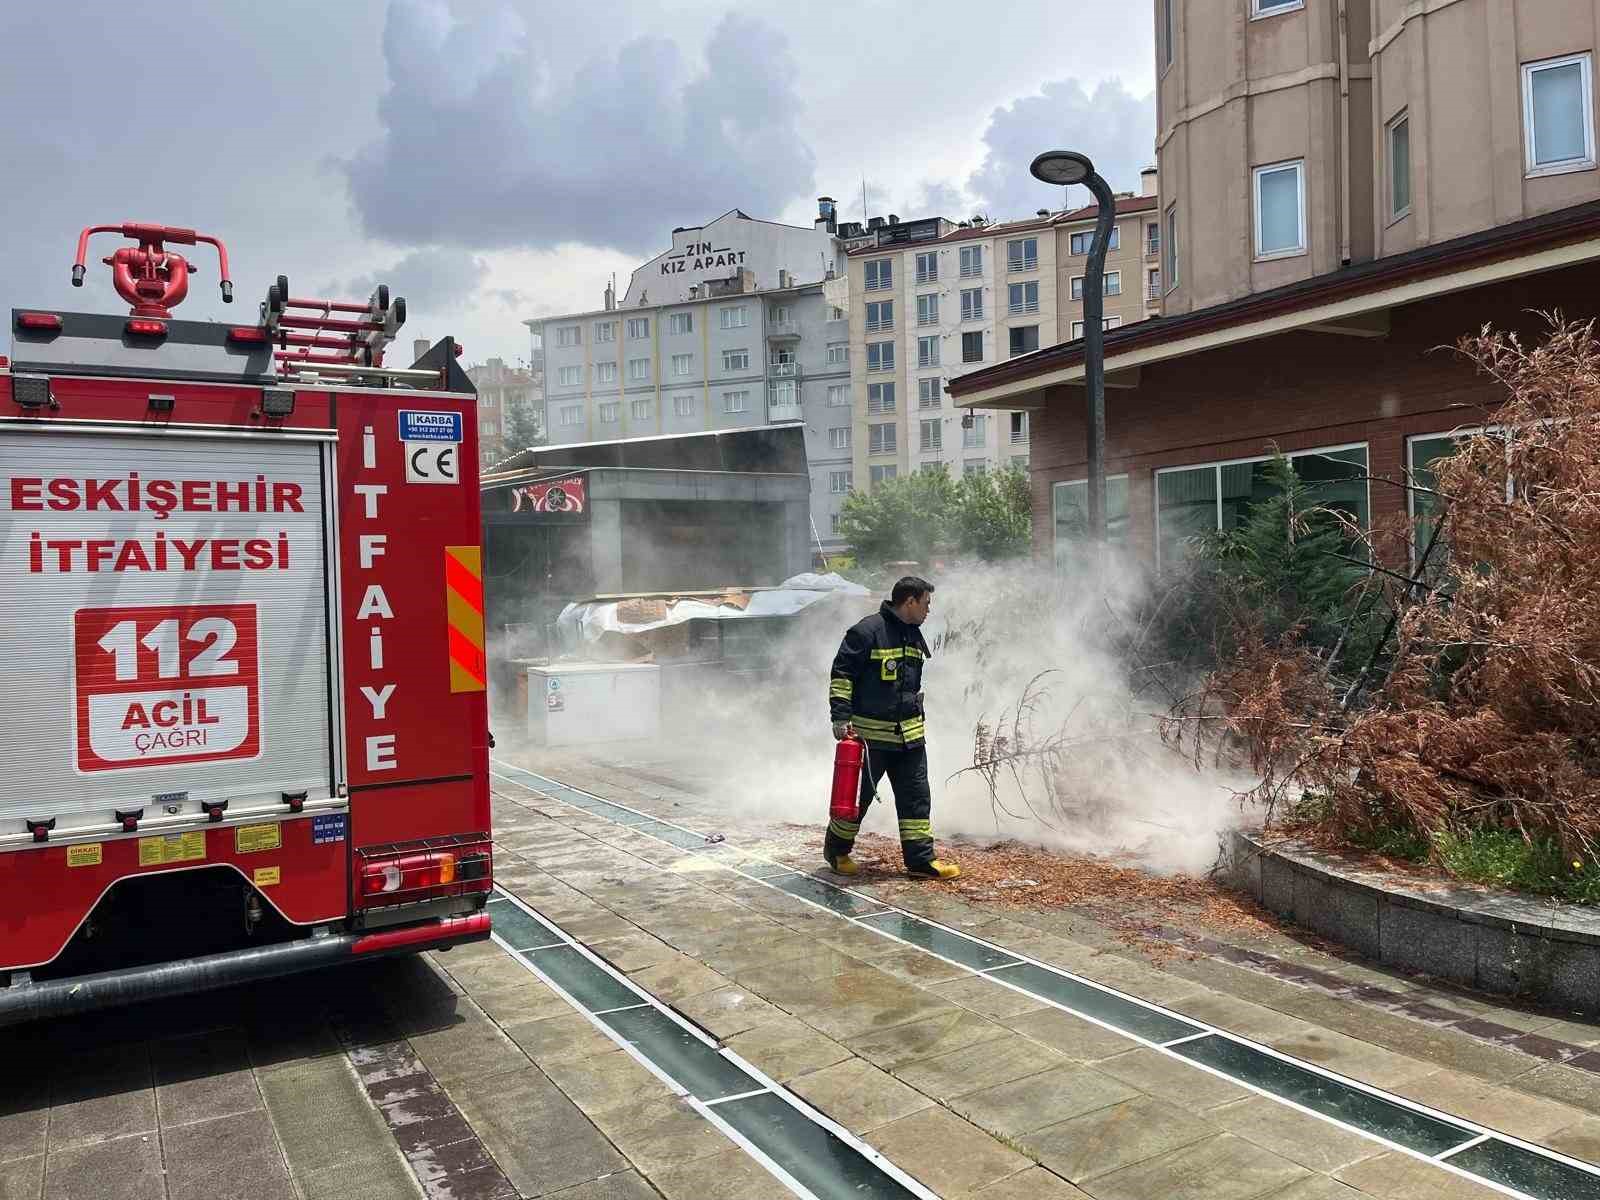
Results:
153 279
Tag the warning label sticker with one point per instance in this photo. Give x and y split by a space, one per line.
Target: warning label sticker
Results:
266 876
248 839
328 827
172 848
86 855
158 686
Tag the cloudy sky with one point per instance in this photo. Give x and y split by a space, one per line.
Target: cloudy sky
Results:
494 160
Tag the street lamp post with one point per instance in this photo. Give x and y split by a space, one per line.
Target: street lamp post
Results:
1064 167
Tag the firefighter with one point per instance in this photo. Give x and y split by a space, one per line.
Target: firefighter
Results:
875 693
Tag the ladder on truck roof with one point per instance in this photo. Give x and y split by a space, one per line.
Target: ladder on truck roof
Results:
334 337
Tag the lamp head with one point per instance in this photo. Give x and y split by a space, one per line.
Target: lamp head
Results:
1062 167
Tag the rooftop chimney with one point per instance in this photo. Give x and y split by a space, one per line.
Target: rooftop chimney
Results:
1147 181
611 296
893 220
419 347
874 222
827 214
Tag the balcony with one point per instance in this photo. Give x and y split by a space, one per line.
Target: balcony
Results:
783 330
779 411
784 370
1152 293
1152 249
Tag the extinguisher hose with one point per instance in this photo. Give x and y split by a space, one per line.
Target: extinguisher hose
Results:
866 765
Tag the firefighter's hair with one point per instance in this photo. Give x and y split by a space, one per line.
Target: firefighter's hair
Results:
910 587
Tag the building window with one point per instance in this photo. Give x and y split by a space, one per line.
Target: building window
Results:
839 482
569 335
931 436
1019 428
1113 283
838 354
605 372
833 522
1024 339
572 414
1421 454
839 437
928 267
683 406
880 274
1166 33
1152 284
883 474
735 402
1105 323
974 466
880 356
639 370
1152 239
1022 255
928 351
928 310
1280 210
1019 462
1083 242
638 327
928 468
735 316
971 262
680 323
972 347
1169 265
972 304
1023 298
880 398
880 439
1399 141
1203 499
1271 8
930 393
783 393
1071 504
838 395
736 360
835 313
1558 114
681 363
880 316
610 413
488 429
641 410
605 331
570 376
976 436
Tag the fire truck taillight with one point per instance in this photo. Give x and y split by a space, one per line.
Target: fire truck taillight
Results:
39 321
416 871
247 333
146 327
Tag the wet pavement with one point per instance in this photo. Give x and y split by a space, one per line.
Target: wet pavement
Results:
663 1016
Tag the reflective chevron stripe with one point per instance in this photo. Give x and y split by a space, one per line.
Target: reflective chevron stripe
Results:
916 831
844 830
841 689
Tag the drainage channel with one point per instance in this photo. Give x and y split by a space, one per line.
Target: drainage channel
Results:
812 1156
1483 1155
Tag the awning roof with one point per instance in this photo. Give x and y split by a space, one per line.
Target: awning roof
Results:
1343 301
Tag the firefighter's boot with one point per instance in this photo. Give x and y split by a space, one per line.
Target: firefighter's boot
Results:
937 869
843 864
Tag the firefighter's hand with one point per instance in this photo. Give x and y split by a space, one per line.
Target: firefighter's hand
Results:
842 730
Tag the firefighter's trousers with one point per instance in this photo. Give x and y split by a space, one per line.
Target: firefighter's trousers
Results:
907 770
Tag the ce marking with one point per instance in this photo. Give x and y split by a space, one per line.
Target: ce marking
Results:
431 462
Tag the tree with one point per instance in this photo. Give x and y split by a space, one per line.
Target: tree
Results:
915 517
523 427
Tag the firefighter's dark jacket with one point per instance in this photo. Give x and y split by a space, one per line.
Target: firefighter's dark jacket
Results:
876 682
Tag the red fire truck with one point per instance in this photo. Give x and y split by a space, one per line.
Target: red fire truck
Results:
242 642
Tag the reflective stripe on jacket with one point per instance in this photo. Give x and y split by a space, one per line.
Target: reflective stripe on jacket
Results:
876 682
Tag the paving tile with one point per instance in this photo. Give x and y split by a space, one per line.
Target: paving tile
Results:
635 951
858 1095
470 1047
24 1117
366 1178
1297 1136
943 942
987 997
234 1157
22 1178
730 1175
1170 1079
625 1185
728 1011
917 966
844 1006
681 1054
658 1134
1000 1060
1394 1176
1570 1085
928 1037
1253 1021
1317 1187
1046 1098
322 1117
539 1139
101 1095
560 1039
1501 1108
1070 1035
1114 1010
1352 1056
786 1047
1033 1184
946 1153
125 1168
203 1076
1108 1139
1581 1140
524 999
605 1081
816 1158
1220 1168
678 978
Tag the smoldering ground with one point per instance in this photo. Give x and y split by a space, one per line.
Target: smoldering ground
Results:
1034 674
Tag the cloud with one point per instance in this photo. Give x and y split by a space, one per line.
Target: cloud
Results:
484 146
1113 127
439 277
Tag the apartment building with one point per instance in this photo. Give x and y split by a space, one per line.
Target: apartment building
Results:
1345 186
932 300
504 393
728 329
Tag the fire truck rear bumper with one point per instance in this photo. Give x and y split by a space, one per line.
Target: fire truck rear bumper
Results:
84 993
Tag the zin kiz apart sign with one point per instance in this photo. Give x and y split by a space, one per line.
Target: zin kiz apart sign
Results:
701 256
555 496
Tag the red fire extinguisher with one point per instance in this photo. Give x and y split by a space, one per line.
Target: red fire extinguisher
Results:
846 779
